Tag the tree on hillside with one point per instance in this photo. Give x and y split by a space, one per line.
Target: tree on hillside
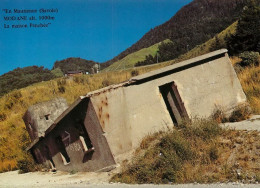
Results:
166 51
74 64
247 36
23 77
217 44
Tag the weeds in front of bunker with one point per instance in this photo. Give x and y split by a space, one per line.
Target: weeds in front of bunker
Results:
239 113
167 160
199 151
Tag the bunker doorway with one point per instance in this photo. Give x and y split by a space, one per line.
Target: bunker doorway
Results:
173 102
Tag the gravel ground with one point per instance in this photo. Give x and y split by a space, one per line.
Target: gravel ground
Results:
50 179
87 179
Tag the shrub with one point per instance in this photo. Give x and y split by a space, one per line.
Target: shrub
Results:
57 72
73 172
13 98
177 143
238 68
79 79
16 94
257 177
2 116
61 82
147 140
61 89
203 128
61 85
134 73
106 83
249 58
219 115
241 112
213 152
27 164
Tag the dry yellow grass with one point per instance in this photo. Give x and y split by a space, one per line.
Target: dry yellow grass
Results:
250 80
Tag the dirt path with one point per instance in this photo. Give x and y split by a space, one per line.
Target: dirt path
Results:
50 179
87 179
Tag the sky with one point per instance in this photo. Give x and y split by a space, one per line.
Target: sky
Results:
95 30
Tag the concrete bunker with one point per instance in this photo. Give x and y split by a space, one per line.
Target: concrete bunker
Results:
99 129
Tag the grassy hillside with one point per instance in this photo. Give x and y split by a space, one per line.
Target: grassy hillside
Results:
211 45
130 60
204 48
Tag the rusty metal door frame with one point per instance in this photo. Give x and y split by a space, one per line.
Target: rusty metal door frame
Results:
173 102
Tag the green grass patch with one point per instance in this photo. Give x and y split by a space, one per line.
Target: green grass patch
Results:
130 60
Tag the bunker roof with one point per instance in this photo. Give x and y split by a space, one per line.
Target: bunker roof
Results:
152 75
177 67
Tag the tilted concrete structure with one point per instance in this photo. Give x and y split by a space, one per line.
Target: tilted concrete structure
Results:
39 117
94 132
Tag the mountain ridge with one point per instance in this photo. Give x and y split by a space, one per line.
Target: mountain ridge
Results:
192 25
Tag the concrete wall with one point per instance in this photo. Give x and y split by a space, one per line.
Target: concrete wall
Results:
98 159
127 114
35 117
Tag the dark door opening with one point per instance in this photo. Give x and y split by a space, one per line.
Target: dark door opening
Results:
62 150
173 102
